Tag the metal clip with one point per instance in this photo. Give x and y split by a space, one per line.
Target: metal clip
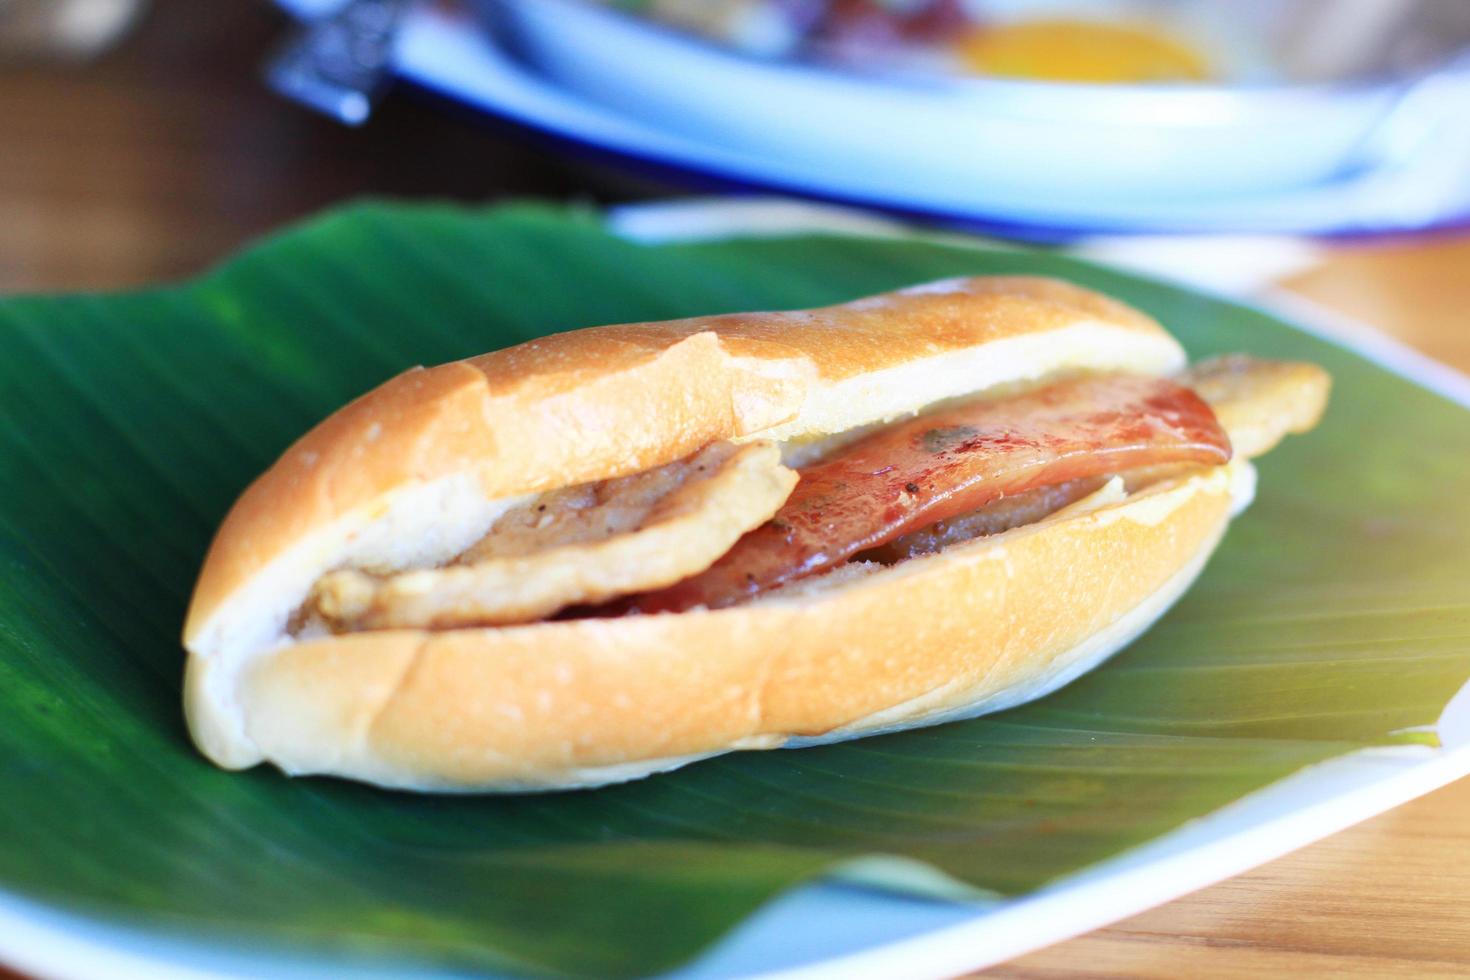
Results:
339 65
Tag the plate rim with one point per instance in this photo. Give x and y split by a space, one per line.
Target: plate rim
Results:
427 78
937 951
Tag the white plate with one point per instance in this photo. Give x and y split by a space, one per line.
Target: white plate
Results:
452 56
996 142
835 932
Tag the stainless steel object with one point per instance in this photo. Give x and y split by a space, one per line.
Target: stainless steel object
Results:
340 64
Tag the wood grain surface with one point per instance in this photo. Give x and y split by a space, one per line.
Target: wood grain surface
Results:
166 154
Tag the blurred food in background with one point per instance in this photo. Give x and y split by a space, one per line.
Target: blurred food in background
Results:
999 39
1212 104
1080 51
1044 119
1097 41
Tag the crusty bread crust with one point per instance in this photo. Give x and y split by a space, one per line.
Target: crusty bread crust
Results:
413 472
608 401
562 704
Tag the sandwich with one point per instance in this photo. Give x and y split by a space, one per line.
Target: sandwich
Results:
613 551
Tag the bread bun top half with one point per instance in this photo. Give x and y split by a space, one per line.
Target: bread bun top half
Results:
416 470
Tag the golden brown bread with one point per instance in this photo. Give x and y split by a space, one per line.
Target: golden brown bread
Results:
581 702
411 474
605 402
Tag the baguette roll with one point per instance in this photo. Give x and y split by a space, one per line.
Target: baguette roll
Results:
414 473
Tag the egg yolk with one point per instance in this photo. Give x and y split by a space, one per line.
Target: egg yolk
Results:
1081 51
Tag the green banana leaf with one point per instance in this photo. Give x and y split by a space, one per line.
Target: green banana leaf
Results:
1335 616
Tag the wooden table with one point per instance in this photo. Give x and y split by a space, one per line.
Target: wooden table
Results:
166 154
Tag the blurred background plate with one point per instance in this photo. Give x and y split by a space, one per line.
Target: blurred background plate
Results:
1354 150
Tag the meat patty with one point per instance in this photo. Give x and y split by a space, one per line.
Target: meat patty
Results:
1260 401
582 544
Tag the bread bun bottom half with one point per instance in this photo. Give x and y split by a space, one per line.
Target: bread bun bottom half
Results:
413 473
976 628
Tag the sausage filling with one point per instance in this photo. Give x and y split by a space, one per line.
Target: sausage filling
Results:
937 467
724 525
